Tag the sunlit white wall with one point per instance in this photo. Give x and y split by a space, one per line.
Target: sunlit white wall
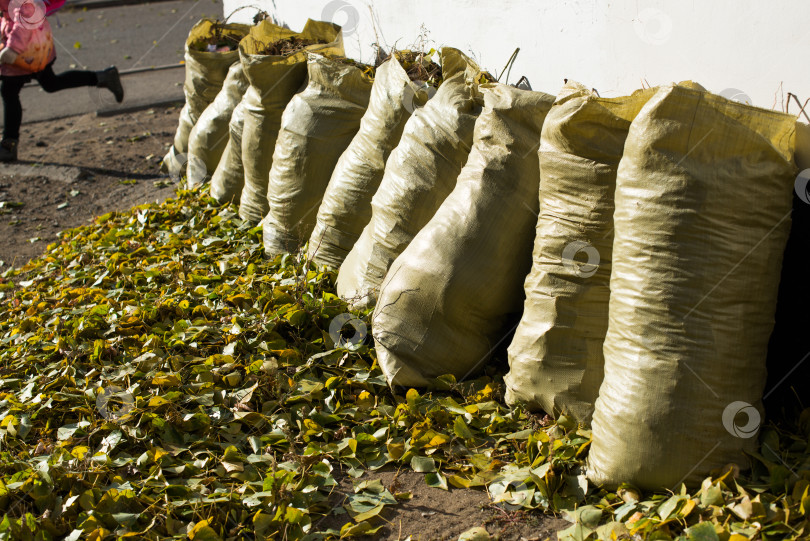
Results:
756 48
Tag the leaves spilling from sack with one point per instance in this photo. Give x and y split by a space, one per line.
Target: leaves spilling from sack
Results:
159 379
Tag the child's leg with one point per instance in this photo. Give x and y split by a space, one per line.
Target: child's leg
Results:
108 78
10 88
50 82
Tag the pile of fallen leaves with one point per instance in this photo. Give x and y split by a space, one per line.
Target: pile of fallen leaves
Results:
220 40
288 46
419 66
367 70
159 379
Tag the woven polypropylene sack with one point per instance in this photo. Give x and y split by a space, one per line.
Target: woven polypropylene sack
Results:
703 200
346 206
447 299
205 74
210 135
229 176
274 80
555 358
317 126
421 171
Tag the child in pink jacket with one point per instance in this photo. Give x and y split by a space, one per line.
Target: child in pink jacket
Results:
27 53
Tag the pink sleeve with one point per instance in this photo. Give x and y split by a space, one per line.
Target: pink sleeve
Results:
17 36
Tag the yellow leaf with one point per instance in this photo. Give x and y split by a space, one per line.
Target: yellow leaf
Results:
365 399
168 380
688 507
156 401
203 532
805 503
98 534
396 450
458 481
485 393
438 439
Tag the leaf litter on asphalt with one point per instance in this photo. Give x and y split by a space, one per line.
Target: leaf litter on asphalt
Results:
160 379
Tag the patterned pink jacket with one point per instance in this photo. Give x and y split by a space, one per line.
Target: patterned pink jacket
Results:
26 31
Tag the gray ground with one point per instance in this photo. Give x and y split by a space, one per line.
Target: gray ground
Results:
135 36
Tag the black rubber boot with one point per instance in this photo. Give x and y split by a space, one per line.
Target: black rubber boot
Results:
110 79
8 150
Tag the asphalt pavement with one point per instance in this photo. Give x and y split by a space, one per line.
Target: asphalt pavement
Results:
144 40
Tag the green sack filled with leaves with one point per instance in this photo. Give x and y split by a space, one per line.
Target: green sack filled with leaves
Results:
703 201
317 126
275 62
208 137
555 358
449 297
402 84
229 176
421 171
211 49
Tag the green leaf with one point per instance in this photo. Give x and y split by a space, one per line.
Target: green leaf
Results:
356 530
668 507
436 480
702 532
461 429
423 464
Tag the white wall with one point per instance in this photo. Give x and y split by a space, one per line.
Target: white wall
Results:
757 48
